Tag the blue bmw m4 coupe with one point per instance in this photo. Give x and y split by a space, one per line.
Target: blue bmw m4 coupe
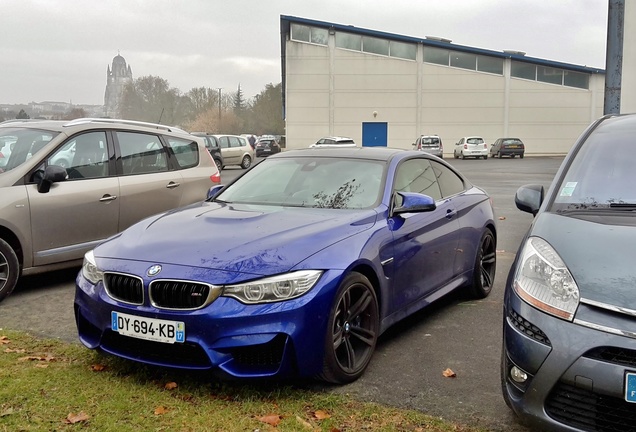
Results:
295 268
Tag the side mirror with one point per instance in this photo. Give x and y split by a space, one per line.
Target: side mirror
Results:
529 198
214 190
52 174
414 203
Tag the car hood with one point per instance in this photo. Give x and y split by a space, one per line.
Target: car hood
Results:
258 240
598 250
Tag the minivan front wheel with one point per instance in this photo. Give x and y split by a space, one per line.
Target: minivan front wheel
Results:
9 269
246 162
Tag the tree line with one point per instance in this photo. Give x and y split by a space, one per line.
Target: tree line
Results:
202 109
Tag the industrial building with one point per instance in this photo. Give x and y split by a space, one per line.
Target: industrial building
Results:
387 89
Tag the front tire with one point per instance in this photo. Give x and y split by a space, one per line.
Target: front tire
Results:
352 330
485 266
246 162
9 269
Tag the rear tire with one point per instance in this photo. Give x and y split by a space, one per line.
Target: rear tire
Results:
352 330
9 269
485 266
521 156
246 162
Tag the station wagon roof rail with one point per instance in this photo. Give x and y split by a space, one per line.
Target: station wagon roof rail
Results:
80 121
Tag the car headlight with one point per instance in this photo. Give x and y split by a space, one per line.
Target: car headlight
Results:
274 289
543 280
90 271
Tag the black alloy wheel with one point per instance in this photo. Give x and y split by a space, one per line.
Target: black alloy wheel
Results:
9 269
485 266
352 331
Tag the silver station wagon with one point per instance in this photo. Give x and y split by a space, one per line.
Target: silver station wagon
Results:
68 185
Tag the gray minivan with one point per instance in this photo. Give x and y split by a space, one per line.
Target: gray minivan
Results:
68 185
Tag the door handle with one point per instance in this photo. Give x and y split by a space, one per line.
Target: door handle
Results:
108 197
173 185
450 213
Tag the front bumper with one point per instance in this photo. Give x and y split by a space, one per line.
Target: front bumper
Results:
576 374
246 341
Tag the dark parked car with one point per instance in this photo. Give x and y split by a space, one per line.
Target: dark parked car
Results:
213 147
569 346
507 147
266 147
297 267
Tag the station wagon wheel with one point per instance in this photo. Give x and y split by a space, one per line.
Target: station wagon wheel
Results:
9 269
219 165
246 162
352 331
485 265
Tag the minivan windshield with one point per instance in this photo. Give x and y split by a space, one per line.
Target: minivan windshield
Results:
602 173
17 145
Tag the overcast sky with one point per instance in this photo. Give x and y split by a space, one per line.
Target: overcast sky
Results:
59 50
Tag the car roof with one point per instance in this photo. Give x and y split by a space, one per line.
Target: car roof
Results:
376 153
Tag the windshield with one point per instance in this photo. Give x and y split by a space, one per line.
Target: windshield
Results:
17 145
309 182
602 173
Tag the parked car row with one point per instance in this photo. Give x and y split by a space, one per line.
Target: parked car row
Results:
471 147
68 185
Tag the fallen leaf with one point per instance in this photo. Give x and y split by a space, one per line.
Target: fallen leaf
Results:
335 430
4 340
304 423
321 415
41 365
98 367
19 351
502 218
449 373
500 251
272 419
76 418
161 410
171 385
6 412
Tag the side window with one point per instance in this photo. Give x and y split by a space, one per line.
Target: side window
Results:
225 142
83 156
417 175
212 143
449 182
234 142
141 153
185 151
242 142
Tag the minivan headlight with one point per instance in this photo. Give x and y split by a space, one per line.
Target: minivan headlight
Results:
90 271
272 289
543 280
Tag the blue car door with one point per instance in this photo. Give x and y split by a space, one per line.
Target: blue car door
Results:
424 244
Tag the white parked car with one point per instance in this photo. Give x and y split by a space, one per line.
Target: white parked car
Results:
334 142
471 146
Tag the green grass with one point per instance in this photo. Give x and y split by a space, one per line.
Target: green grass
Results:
47 385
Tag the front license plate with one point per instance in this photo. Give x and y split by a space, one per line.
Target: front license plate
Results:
630 387
148 328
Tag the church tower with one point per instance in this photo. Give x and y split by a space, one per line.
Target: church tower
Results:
117 77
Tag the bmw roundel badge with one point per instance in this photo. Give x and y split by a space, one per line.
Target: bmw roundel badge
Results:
154 270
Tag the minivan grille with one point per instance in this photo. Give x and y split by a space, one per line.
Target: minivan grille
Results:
590 411
618 356
128 289
171 294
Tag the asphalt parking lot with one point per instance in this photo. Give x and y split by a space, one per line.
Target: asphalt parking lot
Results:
406 371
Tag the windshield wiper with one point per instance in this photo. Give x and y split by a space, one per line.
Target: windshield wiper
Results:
623 206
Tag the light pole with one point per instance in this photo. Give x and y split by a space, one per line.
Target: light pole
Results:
219 126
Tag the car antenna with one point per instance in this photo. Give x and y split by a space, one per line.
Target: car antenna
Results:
160 115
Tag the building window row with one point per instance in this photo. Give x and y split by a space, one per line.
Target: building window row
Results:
550 75
440 56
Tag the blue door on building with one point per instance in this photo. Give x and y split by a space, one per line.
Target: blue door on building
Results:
374 134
